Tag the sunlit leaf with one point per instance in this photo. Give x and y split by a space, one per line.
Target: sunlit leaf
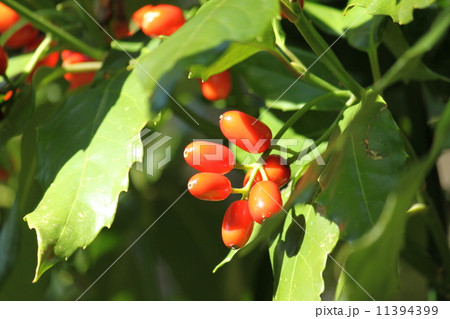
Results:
400 11
83 164
364 168
299 254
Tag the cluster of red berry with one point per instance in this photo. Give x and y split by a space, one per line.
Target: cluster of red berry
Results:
165 19
162 19
28 39
261 197
20 38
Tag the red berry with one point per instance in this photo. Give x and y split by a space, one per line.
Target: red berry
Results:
209 157
209 186
301 3
50 61
245 131
138 14
163 19
217 87
8 95
258 178
264 201
3 61
8 17
22 37
275 169
4 175
237 225
76 79
120 29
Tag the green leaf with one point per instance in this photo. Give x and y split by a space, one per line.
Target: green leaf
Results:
28 195
401 11
206 35
409 59
269 79
19 115
83 164
364 167
355 26
334 21
17 64
299 254
234 54
377 252
395 41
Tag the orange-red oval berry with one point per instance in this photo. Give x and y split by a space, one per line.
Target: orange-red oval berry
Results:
22 37
217 86
8 95
163 19
264 201
245 131
120 29
138 14
209 186
3 61
4 175
209 157
237 225
258 178
76 79
8 17
276 170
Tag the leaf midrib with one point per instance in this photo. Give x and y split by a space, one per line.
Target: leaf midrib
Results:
92 135
355 158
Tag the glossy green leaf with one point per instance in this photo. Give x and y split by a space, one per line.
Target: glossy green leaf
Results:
205 36
408 64
355 26
364 167
395 41
377 252
16 64
235 53
20 112
28 195
401 11
299 254
334 21
83 164
270 80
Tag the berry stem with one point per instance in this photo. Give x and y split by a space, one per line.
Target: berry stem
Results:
374 64
38 53
82 67
319 141
46 26
307 106
246 189
281 149
300 72
245 167
321 48
263 173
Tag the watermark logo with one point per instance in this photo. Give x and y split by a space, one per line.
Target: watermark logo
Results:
150 150
213 151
